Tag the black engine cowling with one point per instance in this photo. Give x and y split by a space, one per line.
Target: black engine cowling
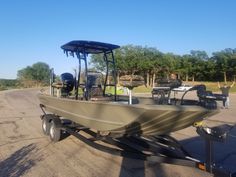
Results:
68 82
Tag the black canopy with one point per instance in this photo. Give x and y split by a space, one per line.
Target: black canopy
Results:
89 47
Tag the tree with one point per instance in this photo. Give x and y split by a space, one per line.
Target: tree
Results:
209 71
223 60
35 75
41 72
98 62
151 63
186 66
202 55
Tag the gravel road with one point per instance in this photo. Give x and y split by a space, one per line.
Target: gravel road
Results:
25 151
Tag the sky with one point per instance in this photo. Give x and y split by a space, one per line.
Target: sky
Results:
33 31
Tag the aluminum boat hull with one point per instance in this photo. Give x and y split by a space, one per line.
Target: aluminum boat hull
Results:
146 118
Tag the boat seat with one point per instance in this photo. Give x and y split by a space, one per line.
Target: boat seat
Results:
57 84
95 91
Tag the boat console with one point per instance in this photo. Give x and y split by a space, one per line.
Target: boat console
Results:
206 98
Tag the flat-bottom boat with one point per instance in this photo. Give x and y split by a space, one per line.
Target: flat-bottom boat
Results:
113 114
145 117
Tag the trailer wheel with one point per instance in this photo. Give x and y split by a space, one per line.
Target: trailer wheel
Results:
46 119
55 132
45 126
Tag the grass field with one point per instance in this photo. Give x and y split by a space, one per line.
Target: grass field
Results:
213 86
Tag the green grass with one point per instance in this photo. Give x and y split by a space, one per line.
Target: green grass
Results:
111 90
213 86
142 89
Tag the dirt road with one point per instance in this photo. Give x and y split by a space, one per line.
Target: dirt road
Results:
25 151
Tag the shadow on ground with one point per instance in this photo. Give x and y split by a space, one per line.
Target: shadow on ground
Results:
224 155
224 152
20 161
136 168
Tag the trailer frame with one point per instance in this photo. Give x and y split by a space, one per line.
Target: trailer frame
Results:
154 149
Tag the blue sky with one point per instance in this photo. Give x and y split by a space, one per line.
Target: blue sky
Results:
32 31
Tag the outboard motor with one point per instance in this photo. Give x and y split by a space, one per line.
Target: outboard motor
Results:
68 83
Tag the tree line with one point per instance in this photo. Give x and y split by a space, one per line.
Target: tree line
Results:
36 75
31 76
149 63
152 64
8 84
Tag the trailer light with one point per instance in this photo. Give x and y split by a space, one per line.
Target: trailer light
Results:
202 166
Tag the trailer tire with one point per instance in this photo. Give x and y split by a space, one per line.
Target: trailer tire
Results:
46 119
45 126
55 132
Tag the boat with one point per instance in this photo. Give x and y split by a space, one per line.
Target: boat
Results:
116 115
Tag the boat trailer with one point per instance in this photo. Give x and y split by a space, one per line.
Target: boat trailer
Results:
153 149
